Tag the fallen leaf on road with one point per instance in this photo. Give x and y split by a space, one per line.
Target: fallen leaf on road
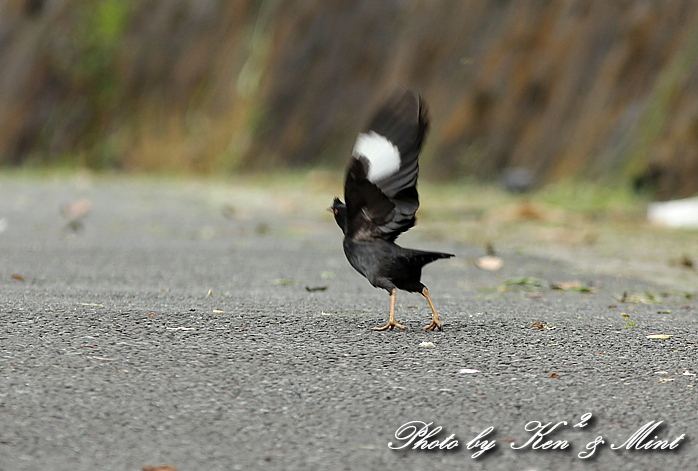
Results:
684 261
541 326
489 263
166 467
658 336
427 345
524 281
553 375
218 311
17 276
282 282
468 371
312 289
530 211
228 211
638 298
572 286
76 210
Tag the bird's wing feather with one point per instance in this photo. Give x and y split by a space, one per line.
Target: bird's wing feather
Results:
381 184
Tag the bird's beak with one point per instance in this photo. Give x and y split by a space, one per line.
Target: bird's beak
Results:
330 209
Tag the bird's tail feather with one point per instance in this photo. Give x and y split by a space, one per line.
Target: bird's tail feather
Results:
421 257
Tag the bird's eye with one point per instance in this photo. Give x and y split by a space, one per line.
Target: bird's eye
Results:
335 211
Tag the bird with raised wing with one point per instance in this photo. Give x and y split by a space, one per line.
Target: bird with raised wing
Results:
380 191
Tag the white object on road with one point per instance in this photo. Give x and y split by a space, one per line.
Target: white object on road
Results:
678 213
468 371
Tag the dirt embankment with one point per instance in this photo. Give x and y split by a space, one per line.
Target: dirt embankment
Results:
564 88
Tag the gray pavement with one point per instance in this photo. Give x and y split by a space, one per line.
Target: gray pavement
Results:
175 327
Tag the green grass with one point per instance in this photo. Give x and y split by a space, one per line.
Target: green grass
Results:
590 198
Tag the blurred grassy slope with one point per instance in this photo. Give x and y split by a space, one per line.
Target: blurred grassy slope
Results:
565 88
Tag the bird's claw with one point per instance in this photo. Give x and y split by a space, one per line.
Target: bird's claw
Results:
389 326
433 326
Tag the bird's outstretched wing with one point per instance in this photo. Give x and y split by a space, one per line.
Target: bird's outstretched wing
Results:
380 189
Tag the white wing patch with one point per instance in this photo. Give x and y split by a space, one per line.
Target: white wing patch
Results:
383 157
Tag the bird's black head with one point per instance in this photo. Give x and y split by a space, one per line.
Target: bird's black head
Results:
339 210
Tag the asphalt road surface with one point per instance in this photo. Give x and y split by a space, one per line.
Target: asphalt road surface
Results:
211 328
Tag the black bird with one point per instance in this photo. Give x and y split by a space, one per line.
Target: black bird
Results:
381 197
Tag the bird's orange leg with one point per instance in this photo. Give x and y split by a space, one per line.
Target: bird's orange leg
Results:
391 317
435 322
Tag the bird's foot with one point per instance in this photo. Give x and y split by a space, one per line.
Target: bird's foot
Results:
389 326
435 324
